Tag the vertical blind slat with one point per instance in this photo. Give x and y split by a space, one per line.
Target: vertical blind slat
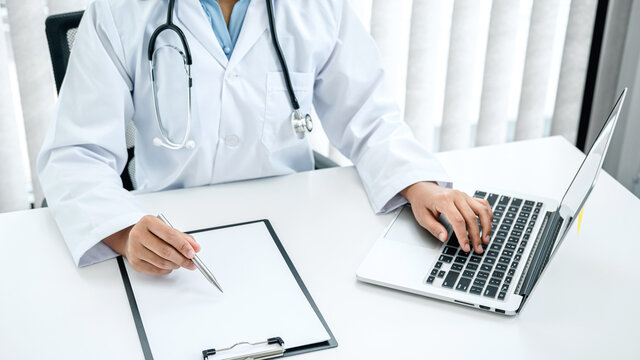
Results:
13 192
390 27
573 70
498 71
537 69
461 99
35 76
64 6
426 72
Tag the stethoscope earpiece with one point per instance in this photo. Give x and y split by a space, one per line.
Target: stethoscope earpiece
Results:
157 142
190 145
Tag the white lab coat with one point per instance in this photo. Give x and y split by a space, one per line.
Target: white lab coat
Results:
241 112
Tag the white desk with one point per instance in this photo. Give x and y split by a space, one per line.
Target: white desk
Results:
585 307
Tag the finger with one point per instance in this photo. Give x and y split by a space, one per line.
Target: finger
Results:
483 210
152 258
458 223
165 250
192 241
471 221
173 237
145 267
427 220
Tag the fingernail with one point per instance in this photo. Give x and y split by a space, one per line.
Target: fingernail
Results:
466 248
486 238
193 238
192 267
442 236
190 254
479 249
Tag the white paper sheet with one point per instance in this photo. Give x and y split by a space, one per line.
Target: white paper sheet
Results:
184 314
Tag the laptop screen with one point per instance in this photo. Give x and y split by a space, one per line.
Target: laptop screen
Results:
572 202
585 179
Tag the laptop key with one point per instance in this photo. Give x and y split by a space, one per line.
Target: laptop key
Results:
480 194
479 282
430 279
501 267
468 273
498 274
502 295
434 272
513 208
520 250
517 257
514 264
441 273
504 287
492 199
499 240
460 260
483 275
516 202
475 290
507 280
504 260
445 258
507 252
510 246
504 200
438 265
529 203
492 253
463 254
489 260
485 267
456 267
463 284
495 246
448 250
472 266
494 282
475 259
490 291
508 221
511 272
450 280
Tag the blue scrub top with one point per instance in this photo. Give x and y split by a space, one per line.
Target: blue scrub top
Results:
227 36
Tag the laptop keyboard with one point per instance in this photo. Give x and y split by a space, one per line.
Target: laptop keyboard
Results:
491 273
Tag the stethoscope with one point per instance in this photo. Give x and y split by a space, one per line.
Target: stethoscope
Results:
301 123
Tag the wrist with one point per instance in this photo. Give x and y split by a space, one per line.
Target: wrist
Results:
411 191
118 241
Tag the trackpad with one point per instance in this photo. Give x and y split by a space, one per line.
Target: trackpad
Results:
407 230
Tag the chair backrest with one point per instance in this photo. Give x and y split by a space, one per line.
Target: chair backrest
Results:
61 33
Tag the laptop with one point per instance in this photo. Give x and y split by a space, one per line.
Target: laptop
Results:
527 231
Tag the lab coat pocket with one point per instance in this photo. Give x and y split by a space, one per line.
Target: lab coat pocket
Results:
278 132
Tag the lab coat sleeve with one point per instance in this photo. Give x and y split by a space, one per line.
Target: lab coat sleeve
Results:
363 121
85 148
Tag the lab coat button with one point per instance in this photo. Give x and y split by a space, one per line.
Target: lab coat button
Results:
227 49
232 140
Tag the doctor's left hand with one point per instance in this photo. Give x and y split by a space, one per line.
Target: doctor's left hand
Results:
153 247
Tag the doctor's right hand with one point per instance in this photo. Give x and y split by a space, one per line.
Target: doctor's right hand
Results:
153 247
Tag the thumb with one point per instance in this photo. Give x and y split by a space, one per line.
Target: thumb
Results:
428 221
192 241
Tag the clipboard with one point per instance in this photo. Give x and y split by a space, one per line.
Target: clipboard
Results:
266 348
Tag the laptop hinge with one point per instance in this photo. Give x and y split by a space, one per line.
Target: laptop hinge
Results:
540 253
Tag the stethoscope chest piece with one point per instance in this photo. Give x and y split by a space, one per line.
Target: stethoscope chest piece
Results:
301 123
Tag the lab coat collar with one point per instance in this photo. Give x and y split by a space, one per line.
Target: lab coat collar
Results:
254 25
192 16
194 19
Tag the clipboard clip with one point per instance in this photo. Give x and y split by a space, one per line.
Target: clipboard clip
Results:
269 349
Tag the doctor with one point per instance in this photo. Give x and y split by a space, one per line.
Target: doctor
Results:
239 125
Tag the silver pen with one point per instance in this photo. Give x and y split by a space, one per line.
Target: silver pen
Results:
196 261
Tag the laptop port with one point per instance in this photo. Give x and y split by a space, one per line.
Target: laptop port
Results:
500 311
484 307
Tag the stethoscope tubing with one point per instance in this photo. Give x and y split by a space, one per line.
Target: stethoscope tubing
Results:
301 123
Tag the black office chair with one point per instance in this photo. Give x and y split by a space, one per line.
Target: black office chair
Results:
61 32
